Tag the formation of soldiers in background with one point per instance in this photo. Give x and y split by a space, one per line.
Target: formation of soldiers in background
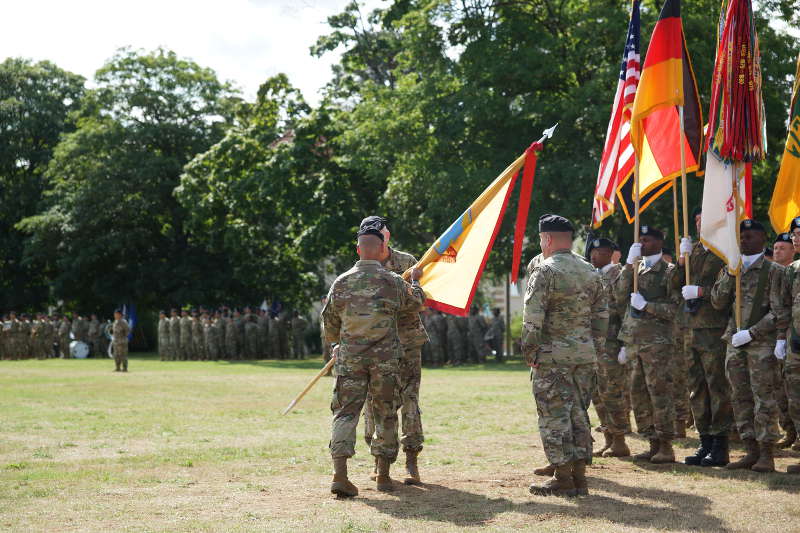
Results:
43 336
230 334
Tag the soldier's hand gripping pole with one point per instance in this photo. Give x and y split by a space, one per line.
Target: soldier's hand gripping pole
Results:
325 370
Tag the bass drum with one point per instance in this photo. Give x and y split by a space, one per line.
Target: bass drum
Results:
79 350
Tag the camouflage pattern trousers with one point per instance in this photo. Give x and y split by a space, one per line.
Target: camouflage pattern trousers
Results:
782 397
410 376
710 393
611 392
680 378
120 351
752 371
791 378
356 378
652 392
562 395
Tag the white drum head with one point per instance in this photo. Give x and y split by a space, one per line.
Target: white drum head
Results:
79 350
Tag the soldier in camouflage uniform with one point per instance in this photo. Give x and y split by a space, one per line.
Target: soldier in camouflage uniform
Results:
477 328
705 351
119 342
187 345
565 320
647 336
25 337
198 336
263 334
230 338
63 337
791 368
175 336
612 384
214 335
496 332
783 251
680 373
93 336
361 315
750 361
251 337
163 336
456 347
299 325
412 336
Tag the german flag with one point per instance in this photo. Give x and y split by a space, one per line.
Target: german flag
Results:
667 83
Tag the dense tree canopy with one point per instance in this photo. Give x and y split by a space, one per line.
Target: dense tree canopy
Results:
166 186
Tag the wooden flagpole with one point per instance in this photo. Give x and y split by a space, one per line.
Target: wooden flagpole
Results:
675 216
325 370
684 195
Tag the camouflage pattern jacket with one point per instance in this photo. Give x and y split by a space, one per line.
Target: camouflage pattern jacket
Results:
657 285
704 269
616 310
565 318
120 331
412 331
362 311
774 313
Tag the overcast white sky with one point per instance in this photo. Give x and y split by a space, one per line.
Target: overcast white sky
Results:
244 41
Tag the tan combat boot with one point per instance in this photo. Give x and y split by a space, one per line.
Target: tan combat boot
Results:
374 475
412 471
341 486
383 479
788 440
766 459
646 456
606 445
579 478
546 471
619 448
561 484
665 453
749 459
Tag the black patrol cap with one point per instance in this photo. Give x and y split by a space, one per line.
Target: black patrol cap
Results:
373 221
795 223
651 231
750 224
783 237
555 223
602 242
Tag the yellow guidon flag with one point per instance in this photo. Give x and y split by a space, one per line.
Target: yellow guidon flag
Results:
785 203
452 267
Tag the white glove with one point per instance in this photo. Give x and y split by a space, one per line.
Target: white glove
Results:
638 301
634 253
690 292
740 338
686 246
780 350
622 357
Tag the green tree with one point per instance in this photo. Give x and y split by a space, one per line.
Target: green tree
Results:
112 230
35 104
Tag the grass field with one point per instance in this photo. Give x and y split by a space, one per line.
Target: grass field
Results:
201 446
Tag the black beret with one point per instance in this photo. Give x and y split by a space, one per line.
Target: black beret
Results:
795 223
555 223
752 225
602 242
697 211
783 237
373 221
651 231
371 231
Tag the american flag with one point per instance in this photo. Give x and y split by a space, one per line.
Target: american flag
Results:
618 156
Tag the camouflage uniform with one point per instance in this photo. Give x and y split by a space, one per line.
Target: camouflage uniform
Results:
163 338
648 344
456 348
412 336
476 326
705 350
680 374
63 338
93 335
791 366
274 337
565 320
119 340
752 368
369 353
612 381
215 335
230 339
175 337
187 345
263 336
198 339
251 339
25 340
494 336
299 325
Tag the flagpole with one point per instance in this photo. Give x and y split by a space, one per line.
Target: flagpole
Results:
738 307
675 216
685 196
636 220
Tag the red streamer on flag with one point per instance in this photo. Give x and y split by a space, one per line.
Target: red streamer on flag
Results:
524 205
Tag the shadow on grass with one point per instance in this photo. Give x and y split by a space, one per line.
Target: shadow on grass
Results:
668 510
